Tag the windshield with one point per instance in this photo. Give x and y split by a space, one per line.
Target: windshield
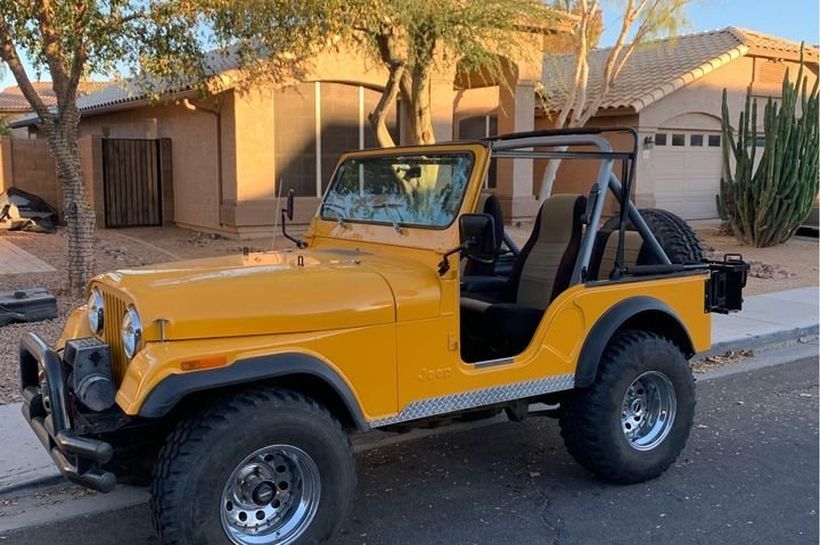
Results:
423 190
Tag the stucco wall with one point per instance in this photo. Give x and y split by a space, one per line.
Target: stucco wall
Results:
698 105
27 165
194 153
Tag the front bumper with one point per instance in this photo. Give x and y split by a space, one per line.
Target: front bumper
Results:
45 407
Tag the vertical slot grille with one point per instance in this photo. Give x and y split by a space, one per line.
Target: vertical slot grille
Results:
114 311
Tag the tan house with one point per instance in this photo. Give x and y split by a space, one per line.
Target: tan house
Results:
670 91
222 164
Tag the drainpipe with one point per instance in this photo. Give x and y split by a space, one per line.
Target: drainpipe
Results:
217 113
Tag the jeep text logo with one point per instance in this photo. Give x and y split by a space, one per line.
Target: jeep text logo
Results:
434 374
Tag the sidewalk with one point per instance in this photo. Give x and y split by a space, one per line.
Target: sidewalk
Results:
766 319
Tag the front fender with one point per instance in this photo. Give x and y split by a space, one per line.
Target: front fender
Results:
174 388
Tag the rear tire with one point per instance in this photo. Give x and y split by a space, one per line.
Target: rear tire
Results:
269 464
676 237
634 420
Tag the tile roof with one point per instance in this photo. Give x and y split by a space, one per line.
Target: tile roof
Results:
132 92
658 68
13 101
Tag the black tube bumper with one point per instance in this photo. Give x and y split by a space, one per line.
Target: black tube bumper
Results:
45 407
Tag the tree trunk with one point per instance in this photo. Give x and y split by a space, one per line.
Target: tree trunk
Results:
548 181
378 118
421 120
79 216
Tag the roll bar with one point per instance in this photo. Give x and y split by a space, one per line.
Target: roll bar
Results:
520 146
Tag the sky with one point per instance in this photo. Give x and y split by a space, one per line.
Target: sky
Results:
793 19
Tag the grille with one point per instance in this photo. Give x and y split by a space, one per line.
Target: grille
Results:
114 311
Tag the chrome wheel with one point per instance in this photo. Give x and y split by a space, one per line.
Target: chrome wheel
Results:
271 497
648 410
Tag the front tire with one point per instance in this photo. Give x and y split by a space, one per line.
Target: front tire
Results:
634 420
262 467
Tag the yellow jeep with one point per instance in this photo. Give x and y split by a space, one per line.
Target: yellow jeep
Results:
240 379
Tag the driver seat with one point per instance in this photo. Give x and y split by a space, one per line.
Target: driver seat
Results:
543 270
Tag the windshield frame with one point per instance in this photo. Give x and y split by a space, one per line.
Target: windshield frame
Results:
399 152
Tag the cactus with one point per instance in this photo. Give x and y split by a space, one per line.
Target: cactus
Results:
765 204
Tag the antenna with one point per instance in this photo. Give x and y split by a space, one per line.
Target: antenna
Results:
278 188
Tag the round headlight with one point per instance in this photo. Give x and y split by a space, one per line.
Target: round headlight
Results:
96 311
131 332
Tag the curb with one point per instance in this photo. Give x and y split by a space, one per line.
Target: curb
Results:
761 341
34 484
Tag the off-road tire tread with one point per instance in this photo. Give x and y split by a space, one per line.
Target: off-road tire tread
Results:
190 435
582 422
678 239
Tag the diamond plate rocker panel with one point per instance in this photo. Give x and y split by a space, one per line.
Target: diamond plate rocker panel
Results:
477 398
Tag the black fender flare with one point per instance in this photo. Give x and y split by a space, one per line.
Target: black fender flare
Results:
645 312
174 388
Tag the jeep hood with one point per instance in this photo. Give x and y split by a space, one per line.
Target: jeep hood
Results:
257 294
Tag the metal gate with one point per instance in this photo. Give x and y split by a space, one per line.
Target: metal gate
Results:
132 182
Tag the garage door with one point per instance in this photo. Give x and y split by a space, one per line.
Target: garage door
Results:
687 167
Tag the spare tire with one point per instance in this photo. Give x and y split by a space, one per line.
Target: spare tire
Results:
676 237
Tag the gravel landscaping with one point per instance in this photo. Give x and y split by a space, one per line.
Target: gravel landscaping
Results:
791 265
783 267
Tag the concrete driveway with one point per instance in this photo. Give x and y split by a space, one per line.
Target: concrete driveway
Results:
749 475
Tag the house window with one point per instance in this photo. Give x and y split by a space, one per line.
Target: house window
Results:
294 120
714 140
660 139
314 123
760 141
475 128
678 139
696 140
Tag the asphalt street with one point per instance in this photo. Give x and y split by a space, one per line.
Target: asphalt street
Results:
748 475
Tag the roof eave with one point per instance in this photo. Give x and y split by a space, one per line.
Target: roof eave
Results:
690 77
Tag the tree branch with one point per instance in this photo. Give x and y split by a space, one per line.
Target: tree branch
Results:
8 52
81 51
51 48
378 118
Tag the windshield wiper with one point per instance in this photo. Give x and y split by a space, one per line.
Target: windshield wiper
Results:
340 218
394 207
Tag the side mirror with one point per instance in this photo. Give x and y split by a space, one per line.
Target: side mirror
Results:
477 237
289 206
287 212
